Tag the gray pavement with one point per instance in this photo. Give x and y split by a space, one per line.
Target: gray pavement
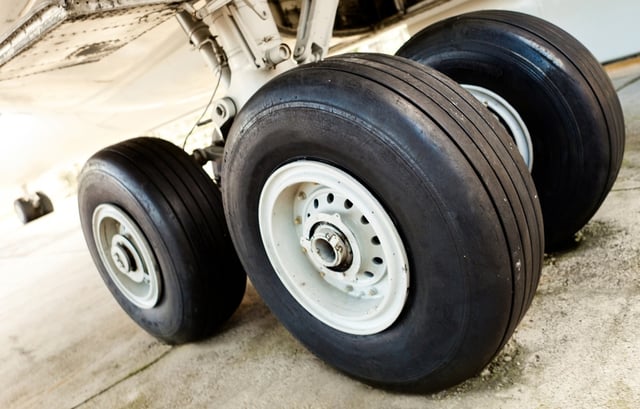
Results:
65 343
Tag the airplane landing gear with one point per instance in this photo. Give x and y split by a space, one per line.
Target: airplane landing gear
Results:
29 208
382 217
154 225
382 212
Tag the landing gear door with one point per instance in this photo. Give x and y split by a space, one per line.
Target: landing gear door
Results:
59 34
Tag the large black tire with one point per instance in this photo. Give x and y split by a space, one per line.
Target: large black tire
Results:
45 204
25 210
559 89
173 221
28 208
442 170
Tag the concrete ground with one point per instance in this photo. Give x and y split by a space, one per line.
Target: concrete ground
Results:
65 343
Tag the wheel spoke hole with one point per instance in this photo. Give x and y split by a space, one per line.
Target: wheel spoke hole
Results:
348 204
364 220
316 203
330 198
375 241
369 274
377 261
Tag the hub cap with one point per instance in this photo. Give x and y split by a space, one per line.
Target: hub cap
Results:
509 117
334 247
126 255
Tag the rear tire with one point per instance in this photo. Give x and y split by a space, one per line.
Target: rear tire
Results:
564 97
25 210
46 206
347 177
154 225
33 207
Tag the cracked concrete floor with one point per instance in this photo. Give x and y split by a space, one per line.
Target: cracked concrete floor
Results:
64 342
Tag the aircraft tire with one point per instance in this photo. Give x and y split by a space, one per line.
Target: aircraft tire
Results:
383 219
46 206
25 210
154 224
566 102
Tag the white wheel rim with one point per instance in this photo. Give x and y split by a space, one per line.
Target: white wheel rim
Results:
126 255
334 247
509 116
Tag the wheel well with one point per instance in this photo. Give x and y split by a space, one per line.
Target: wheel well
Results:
353 16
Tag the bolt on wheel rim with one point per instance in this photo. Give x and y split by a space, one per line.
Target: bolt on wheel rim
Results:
509 117
126 255
334 247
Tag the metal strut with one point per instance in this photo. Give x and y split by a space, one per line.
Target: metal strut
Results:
240 40
201 38
315 30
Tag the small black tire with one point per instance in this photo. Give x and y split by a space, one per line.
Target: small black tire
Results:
45 204
154 224
25 210
563 95
307 153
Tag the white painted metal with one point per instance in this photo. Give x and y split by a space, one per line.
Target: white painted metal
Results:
127 256
315 29
156 78
251 41
509 117
334 247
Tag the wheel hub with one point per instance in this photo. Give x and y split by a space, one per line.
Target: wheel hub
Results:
329 243
126 258
334 247
328 247
126 255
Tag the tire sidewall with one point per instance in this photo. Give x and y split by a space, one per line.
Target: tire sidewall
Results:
45 203
551 96
25 210
99 185
413 177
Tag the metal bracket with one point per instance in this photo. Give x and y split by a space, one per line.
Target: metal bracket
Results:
315 29
213 154
260 12
250 19
224 112
201 38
